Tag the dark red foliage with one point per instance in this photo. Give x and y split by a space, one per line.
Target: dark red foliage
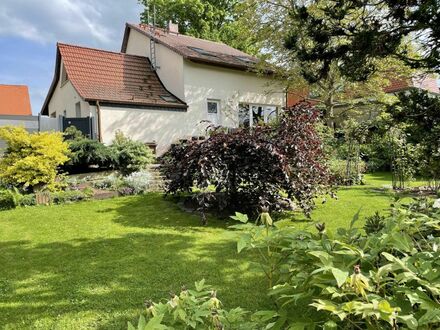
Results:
252 168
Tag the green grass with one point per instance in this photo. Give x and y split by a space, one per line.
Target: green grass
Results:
91 265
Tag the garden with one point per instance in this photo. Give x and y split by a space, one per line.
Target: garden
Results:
327 217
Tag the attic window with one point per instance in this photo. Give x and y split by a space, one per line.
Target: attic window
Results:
64 76
245 59
202 51
168 98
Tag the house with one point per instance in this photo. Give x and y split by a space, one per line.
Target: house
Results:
162 87
15 108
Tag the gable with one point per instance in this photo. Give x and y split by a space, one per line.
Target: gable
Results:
14 100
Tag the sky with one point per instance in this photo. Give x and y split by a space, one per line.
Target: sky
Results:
30 29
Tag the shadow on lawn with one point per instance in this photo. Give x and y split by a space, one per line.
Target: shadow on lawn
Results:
111 277
155 211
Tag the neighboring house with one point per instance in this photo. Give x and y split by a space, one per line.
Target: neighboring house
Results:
15 109
162 87
425 82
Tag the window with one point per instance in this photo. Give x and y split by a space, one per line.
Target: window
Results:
255 114
64 76
245 59
53 114
202 51
78 109
214 111
168 98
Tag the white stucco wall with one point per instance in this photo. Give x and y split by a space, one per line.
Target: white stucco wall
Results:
230 87
64 98
170 64
160 126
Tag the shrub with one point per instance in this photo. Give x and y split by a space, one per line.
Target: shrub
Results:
31 160
252 169
86 152
69 196
111 182
130 156
138 181
198 309
374 223
349 280
8 200
27 200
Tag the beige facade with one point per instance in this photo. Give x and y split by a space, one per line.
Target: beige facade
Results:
64 101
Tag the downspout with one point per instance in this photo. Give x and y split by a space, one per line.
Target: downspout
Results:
98 113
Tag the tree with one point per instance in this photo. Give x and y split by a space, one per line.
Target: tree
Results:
337 97
251 169
418 113
356 34
31 160
216 20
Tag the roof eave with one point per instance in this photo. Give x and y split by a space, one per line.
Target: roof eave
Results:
146 104
45 107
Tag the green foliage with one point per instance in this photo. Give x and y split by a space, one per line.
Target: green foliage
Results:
138 181
197 309
356 34
8 199
418 115
207 19
384 280
130 156
86 152
374 223
31 160
70 196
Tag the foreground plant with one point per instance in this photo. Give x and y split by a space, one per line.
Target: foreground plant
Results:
197 309
348 280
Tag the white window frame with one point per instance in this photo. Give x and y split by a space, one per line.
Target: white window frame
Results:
217 101
251 113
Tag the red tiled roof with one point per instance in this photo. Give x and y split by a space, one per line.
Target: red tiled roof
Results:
428 83
114 77
99 75
14 100
221 54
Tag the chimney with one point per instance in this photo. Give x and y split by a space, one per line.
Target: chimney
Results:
173 27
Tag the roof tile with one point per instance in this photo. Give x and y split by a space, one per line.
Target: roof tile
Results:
219 53
14 100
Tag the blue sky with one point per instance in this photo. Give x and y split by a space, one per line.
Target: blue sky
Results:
29 30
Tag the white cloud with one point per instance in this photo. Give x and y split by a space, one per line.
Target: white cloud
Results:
86 22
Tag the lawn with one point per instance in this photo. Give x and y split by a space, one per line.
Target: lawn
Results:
92 264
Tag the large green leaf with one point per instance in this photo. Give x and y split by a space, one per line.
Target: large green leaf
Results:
339 275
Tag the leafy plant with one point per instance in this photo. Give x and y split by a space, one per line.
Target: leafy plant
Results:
31 160
198 309
138 181
8 199
374 223
130 156
384 280
86 152
69 196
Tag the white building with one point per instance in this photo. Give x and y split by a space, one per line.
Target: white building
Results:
162 87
